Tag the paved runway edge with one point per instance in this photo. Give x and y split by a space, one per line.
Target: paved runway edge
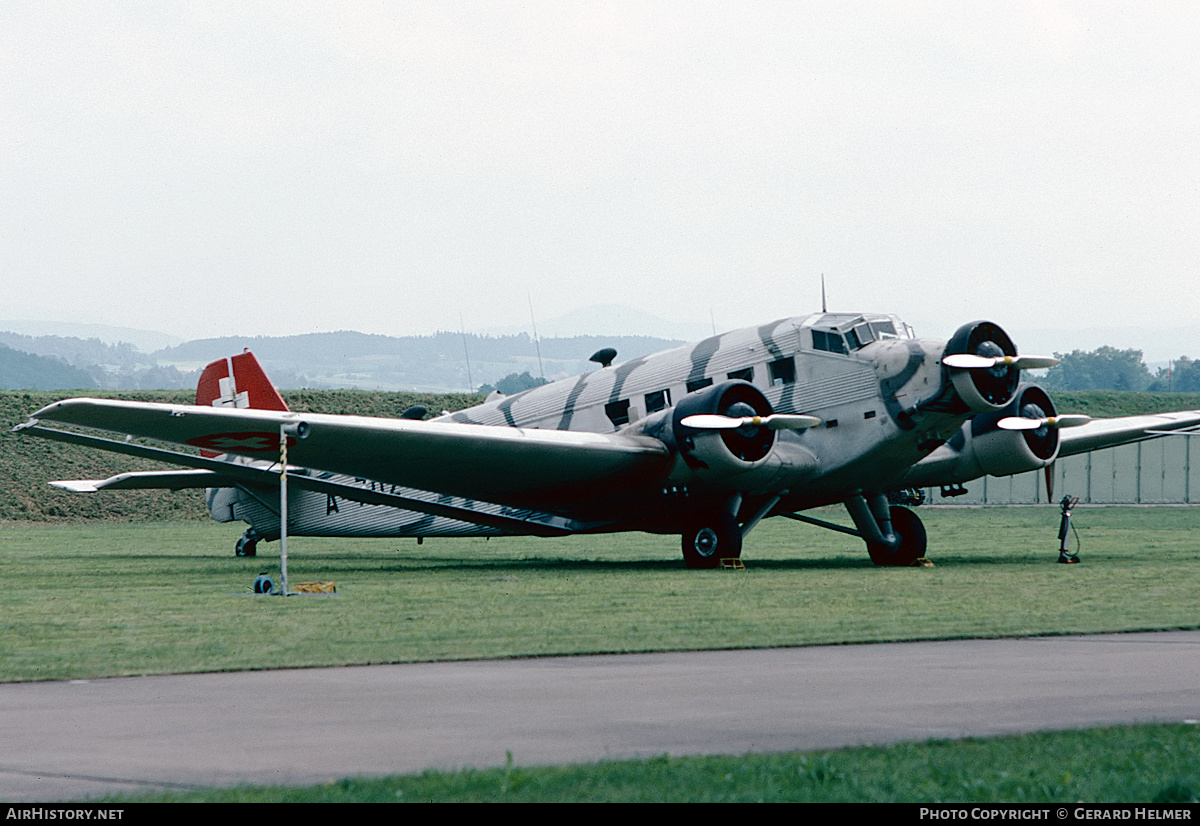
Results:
73 739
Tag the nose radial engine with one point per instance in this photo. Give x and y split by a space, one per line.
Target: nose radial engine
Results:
983 388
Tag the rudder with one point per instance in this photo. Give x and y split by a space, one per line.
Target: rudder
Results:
238 381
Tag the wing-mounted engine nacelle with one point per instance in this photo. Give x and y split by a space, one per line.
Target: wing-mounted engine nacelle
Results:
983 389
983 448
1005 452
738 458
724 451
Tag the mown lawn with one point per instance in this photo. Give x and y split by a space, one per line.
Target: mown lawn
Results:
114 599
1137 764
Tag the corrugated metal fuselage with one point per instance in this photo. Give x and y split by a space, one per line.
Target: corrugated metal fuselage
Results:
873 399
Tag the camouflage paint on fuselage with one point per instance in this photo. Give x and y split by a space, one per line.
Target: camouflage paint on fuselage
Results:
864 376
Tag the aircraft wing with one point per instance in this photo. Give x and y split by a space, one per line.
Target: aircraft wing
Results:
956 461
224 472
1102 433
504 465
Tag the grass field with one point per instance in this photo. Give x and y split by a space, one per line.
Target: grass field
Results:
141 583
107 599
111 599
1143 764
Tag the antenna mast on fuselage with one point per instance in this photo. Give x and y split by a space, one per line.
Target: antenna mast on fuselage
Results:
463 329
536 343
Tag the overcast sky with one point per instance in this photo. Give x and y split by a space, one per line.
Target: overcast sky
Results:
284 167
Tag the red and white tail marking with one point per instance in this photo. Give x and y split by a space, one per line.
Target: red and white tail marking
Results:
238 381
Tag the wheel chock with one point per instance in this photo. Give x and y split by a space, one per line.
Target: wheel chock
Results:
733 564
316 587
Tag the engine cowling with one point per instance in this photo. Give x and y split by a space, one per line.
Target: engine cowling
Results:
981 448
740 459
1034 449
983 390
723 453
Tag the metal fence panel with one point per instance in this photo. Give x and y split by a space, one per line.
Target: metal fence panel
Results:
1161 471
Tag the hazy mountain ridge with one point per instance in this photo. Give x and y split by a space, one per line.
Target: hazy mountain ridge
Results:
442 361
457 362
344 359
351 344
144 340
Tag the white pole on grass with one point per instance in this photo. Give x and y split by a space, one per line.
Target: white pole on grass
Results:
300 431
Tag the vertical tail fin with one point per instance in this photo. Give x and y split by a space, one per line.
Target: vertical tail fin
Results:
238 381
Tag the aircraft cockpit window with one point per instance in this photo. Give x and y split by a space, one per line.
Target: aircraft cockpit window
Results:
698 384
744 375
828 341
783 371
884 329
864 333
617 412
659 400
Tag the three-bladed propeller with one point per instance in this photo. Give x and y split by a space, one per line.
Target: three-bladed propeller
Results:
776 421
1027 423
966 361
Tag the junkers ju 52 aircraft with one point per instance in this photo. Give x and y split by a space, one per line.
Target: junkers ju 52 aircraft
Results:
703 441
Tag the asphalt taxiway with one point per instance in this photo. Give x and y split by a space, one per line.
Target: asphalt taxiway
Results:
74 739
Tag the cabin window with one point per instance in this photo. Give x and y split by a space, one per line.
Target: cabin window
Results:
783 371
698 384
659 400
828 341
744 375
617 412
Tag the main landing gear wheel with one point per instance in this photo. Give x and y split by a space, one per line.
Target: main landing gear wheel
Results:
246 545
708 540
906 525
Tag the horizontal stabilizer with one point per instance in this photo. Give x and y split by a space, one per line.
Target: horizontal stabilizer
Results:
150 480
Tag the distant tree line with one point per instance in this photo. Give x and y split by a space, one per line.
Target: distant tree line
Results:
513 383
25 371
61 362
1108 368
